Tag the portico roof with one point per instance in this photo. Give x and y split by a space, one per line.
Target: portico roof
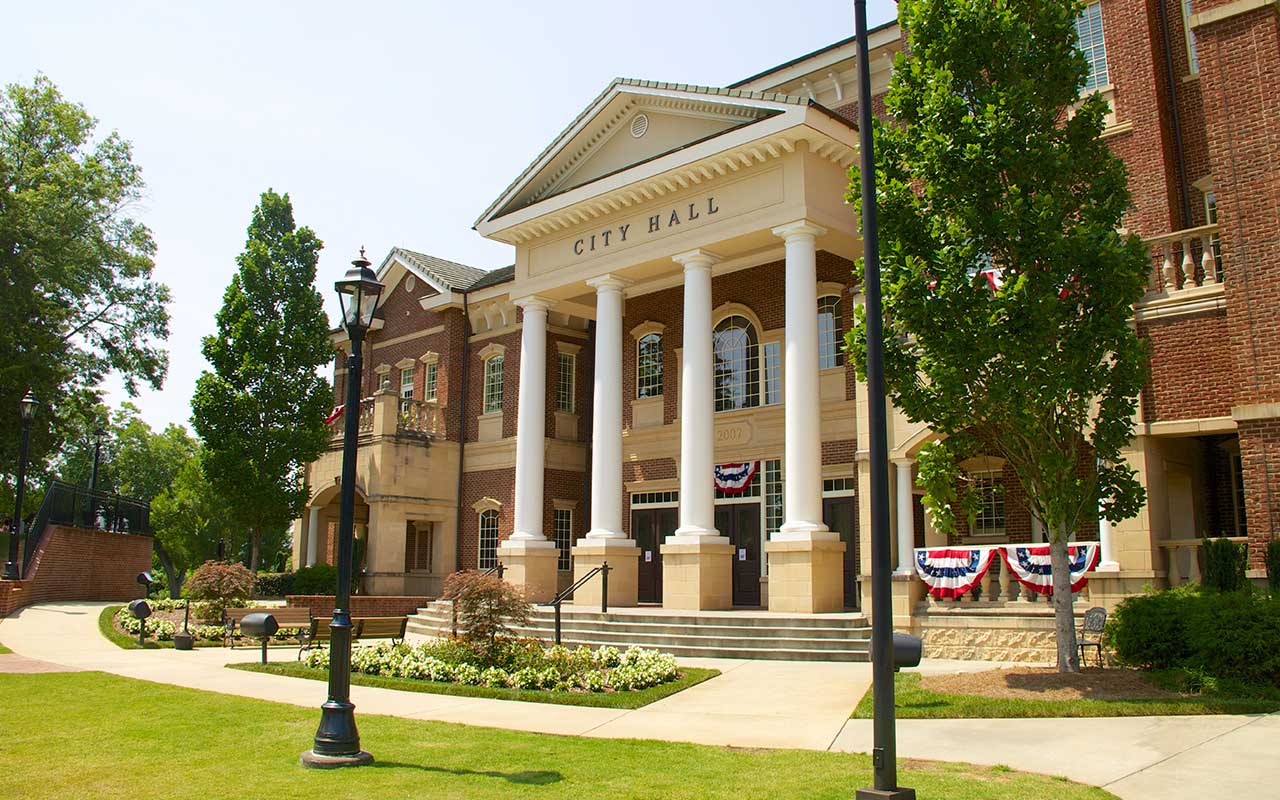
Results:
590 148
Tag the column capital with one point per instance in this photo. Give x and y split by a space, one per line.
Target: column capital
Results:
903 462
799 228
697 259
608 283
534 302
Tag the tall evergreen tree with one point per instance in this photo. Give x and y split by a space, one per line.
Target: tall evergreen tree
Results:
1008 286
261 411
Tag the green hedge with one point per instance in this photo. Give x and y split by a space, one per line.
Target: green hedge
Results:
1233 635
1273 566
1224 564
273 584
316 579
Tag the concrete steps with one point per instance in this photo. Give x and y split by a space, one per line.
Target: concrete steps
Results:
738 634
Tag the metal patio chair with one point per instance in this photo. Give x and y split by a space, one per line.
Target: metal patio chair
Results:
1095 620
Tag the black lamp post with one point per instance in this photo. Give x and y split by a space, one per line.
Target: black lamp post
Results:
884 752
337 742
27 407
98 433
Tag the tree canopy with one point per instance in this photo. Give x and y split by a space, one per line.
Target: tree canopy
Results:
261 410
1008 283
76 267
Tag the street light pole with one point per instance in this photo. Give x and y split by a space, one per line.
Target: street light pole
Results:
97 452
28 411
337 740
884 753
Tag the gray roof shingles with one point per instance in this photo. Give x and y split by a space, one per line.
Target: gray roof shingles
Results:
458 277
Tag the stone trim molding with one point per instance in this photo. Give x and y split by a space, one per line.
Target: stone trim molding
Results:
404 363
1257 411
1231 10
486 504
982 463
430 357
564 505
568 347
490 350
647 327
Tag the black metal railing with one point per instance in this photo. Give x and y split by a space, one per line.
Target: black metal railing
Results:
76 506
603 571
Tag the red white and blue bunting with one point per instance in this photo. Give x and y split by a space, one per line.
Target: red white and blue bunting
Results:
953 571
1031 566
736 478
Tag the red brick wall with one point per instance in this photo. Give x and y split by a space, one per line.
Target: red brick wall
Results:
1191 366
1259 462
499 484
80 564
361 605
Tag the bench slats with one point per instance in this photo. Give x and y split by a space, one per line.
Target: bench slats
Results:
392 628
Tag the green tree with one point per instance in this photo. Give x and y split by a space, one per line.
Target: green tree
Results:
188 519
261 410
75 271
981 174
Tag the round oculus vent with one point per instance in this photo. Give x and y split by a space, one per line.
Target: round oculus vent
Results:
639 124
409 283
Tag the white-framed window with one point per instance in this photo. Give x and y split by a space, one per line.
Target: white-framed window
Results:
566 367
829 332
562 525
649 366
772 354
431 382
419 546
406 383
989 485
836 487
772 495
488 556
1211 218
1092 44
1193 56
493 385
736 359
655 498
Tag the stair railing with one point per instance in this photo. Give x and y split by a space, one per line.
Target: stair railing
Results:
603 571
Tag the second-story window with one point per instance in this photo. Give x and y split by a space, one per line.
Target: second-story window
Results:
1089 31
829 331
736 364
649 366
493 385
406 384
565 381
990 488
431 382
1193 56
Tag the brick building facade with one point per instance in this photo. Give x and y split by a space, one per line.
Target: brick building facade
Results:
656 184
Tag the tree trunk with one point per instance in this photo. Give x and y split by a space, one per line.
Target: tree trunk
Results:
255 547
173 576
1064 617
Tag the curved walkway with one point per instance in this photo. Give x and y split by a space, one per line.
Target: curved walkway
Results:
751 704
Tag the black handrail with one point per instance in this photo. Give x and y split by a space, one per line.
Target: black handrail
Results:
603 572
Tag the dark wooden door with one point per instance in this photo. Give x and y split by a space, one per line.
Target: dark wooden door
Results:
650 526
839 514
741 523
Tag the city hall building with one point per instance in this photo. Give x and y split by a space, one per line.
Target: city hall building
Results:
658 380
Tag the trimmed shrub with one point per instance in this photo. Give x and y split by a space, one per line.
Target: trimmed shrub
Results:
219 585
316 579
1149 630
1273 566
273 584
1224 565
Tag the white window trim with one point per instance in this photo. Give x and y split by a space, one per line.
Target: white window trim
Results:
564 357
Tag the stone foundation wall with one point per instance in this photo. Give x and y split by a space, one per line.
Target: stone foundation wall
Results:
988 635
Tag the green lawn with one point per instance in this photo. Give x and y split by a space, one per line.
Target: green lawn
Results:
689 677
4 650
91 735
914 702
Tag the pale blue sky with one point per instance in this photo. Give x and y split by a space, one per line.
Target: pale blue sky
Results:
387 123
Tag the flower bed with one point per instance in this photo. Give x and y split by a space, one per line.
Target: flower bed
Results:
521 664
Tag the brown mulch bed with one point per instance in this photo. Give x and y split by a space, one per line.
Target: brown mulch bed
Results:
1046 683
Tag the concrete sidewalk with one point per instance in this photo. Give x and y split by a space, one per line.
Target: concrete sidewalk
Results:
780 704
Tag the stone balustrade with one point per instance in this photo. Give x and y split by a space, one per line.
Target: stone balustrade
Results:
421 418
1184 558
385 414
1185 259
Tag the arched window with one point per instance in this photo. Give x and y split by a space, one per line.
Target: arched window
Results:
649 365
736 356
493 385
830 332
488 539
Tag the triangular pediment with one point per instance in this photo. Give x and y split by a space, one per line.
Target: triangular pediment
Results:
630 123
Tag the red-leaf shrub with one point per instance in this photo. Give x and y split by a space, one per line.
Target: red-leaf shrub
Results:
220 584
488 607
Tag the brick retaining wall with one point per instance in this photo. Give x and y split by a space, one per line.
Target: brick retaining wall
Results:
80 564
363 605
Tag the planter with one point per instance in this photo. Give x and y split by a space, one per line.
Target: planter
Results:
183 641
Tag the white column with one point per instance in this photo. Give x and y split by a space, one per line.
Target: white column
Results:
802 489
606 420
697 404
1107 558
905 519
531 422
313 535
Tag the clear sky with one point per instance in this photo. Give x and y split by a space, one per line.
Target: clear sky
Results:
388 123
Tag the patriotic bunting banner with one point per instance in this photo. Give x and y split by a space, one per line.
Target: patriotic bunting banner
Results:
952 571
1030 564
337 412
736 478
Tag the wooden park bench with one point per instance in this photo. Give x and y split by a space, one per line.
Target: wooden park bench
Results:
288 617
392 628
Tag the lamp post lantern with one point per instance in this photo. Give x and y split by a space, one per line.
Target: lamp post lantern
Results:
27 409
884 752
337 741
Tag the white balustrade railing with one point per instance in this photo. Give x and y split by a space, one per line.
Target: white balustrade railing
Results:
1184 558
1185 259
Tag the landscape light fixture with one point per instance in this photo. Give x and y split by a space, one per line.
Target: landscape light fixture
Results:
27 413
337 741
140 610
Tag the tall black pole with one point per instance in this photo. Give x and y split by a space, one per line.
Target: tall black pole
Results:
337 742
884 753
97 452
11 569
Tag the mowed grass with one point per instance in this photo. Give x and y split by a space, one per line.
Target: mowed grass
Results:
92 735
4 650
914 702
643 697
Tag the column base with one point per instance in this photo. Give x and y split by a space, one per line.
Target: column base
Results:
885 794
623 557
806 576
697 576
530 564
